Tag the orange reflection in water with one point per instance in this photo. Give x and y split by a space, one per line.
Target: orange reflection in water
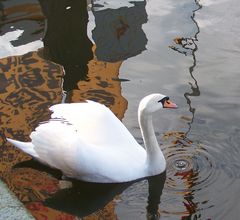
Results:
29 85
103 85
29 11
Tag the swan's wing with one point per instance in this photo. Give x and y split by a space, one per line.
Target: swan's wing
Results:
95 123
58 145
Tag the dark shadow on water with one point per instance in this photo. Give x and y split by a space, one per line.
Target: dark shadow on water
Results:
85 198
36 165
155 188
65 40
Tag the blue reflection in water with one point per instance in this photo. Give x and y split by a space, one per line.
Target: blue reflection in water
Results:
118 33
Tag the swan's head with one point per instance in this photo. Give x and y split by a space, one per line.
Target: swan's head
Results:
155 102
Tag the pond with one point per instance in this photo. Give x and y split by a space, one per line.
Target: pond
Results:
115 53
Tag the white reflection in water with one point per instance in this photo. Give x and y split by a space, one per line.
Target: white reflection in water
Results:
112 4
7 48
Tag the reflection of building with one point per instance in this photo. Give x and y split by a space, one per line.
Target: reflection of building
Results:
29 84
66 41
188 46
21 25
118 33
99 5
30 19
102 86
182 175
189 177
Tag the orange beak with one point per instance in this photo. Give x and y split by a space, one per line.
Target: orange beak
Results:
169 104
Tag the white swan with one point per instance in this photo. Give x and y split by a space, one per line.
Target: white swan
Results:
87 141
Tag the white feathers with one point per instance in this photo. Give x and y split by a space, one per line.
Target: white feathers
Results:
26 147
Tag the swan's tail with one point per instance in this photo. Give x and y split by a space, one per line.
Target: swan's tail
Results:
27 147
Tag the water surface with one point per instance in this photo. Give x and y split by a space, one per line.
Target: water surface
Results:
116 54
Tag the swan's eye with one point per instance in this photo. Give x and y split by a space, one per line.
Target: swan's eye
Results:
165 99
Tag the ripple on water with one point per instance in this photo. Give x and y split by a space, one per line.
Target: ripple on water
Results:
197 173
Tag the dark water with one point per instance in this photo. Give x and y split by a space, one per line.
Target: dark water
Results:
188 50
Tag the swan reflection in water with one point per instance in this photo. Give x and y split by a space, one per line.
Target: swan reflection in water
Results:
84 198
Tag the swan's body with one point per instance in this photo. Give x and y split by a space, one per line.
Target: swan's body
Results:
86 141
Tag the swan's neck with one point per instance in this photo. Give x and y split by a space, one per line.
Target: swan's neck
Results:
154 153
